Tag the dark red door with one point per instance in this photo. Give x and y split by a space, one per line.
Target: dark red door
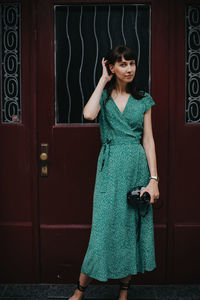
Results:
19 253
45 221
65 196
184 107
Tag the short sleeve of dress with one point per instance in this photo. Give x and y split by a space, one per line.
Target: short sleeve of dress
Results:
148 101
101 103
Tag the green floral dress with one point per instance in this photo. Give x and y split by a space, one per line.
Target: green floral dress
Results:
113 251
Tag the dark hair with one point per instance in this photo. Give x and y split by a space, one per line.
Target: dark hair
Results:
114 55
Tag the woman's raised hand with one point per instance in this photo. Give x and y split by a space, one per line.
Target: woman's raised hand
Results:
105 74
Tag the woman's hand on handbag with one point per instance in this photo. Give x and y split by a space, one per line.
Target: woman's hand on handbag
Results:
152 189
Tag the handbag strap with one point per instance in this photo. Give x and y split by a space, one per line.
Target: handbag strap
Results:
139 220
138 226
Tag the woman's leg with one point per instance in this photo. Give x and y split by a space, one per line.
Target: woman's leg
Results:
84 281
123 293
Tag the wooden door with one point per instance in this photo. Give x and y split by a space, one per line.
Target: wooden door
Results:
184 120
45 221
65 196
19 252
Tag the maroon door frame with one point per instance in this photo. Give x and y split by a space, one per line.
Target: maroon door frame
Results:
177 224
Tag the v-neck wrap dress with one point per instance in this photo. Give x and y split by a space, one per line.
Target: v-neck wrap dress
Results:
113 251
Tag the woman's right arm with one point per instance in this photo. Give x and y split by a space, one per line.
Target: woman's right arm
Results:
92 107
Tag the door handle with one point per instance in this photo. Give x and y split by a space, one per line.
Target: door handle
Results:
44 160
43 156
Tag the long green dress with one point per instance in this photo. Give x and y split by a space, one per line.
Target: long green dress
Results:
113 251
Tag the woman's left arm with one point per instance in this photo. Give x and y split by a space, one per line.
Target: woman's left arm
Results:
149 147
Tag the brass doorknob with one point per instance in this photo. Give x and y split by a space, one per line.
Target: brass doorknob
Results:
43 156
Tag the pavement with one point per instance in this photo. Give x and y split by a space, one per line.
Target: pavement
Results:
98 292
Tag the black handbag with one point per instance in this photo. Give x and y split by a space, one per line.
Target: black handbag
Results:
141 204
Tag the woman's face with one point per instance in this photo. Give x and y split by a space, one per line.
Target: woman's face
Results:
124 70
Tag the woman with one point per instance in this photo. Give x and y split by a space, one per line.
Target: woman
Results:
125 121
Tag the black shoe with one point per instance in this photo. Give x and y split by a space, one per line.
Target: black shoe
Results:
81 288
125 285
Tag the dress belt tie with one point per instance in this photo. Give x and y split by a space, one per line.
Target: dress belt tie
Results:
106 151
105 156
109 142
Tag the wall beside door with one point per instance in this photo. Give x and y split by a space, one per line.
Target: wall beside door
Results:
45 222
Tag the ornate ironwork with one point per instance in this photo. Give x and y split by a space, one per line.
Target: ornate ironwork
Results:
83 35
192 111
10 59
